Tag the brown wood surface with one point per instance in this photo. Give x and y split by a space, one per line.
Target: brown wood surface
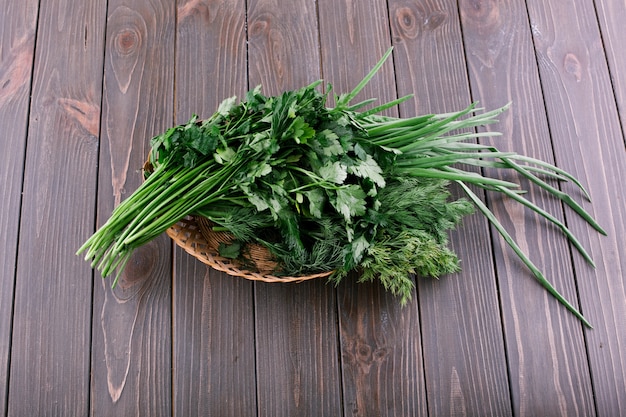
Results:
83 87
611 17
17 48
381 354
213 333
503 69
131 352
588 142
49 363
471 380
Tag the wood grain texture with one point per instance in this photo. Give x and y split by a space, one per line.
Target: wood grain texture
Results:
282 44
49 367
428 56
381 353
589 143
380 346
210 55
131 352
296 344
296 331
177 338
354 35
464 355
545 346
611 17
17 48
214 345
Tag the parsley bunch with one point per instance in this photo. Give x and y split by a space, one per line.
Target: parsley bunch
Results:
325 188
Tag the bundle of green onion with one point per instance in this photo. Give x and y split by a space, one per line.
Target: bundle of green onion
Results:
326 188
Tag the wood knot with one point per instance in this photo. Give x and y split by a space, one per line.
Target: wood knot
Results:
264 26
128 29
362 355
406 21
572 66
259 26
364 352
483 13
83 112
194 8
15 69
435 19
127 41
381 354
409 21
140 267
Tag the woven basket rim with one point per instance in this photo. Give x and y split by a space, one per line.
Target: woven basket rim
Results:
187 235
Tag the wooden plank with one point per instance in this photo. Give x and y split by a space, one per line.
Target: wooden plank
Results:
296 333
17 48
131 348
465 362
611 16
381 355
214 348
214 356
49 368
353 37
297 358
282 45
588 142
381 349
545 345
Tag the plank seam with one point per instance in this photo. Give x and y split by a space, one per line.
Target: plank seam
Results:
492 237
611 75
20 205
561 204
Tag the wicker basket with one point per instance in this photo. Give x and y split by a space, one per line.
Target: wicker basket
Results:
194 235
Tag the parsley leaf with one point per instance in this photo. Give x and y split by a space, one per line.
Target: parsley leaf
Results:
316 198
335 172
368 168
350 201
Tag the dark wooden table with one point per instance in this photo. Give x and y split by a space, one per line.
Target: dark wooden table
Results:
85 84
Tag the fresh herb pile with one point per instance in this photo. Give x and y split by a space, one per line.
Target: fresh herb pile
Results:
326 188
